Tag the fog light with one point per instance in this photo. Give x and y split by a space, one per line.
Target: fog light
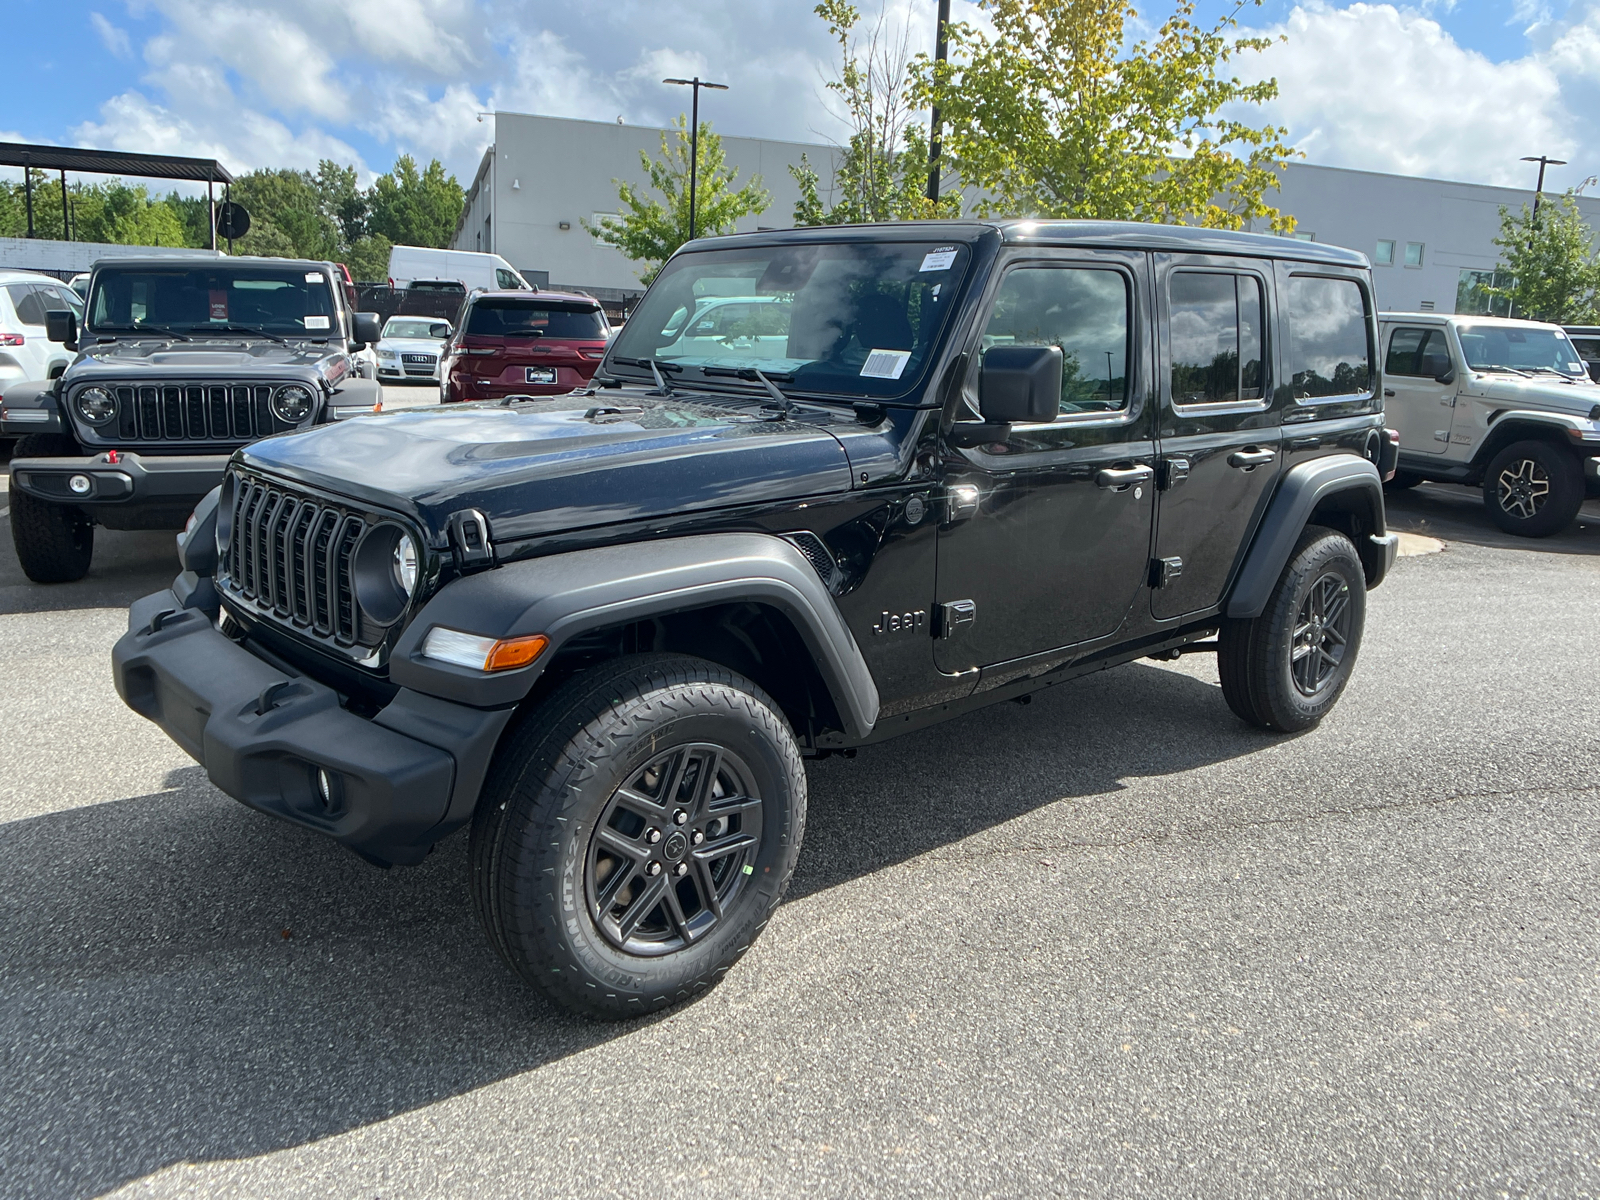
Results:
80 485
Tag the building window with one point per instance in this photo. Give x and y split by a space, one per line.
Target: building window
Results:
1425 306
1304 237
596 223
1473 297
1413 254
1385 255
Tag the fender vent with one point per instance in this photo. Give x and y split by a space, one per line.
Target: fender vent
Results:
816 552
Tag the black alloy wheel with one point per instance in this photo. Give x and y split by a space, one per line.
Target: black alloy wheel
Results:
673 849
1533 489
1321 634
637 828
1286 668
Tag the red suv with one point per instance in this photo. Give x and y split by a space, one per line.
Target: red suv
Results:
523 343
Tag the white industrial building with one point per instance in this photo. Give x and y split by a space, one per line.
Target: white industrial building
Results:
1428 239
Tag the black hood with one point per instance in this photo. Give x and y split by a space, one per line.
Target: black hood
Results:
567 463
203 358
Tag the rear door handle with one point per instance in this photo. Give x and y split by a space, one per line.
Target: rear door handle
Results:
1388 392
1251 459
1120 479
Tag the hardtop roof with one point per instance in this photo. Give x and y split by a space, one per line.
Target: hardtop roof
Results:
1123 235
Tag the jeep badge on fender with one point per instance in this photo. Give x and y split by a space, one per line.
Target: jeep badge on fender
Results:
601 633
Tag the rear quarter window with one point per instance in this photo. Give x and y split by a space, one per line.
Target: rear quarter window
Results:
1330 347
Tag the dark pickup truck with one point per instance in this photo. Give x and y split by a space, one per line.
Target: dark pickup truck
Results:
179 363
907 471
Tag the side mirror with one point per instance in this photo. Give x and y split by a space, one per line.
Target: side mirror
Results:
365 327
1020 384
61 325
1448 375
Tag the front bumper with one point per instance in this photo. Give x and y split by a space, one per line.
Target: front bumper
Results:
398 782
132 478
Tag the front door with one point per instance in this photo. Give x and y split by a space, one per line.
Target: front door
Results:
1414 401
1217 429
1047 533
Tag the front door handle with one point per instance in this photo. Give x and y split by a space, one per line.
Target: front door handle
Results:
1389 392
1120 479
1249 460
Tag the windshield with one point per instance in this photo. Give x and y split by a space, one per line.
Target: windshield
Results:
1527 349
531 318
855 319
410 327
188 299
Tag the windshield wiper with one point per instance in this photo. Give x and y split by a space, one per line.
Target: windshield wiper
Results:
155 329
663 388
1503 367
255 329
785 401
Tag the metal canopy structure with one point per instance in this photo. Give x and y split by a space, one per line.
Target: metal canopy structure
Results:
111 162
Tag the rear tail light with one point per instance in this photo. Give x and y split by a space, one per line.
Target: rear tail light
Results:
12 339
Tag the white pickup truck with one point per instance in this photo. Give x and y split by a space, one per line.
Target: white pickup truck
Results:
1500 403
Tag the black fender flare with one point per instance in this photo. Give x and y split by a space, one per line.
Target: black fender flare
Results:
33 396
1302 488
564 595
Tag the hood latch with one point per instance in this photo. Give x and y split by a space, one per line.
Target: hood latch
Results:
469 534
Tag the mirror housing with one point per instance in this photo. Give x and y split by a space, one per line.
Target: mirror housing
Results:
365 327
1019 384
61 325
1448 375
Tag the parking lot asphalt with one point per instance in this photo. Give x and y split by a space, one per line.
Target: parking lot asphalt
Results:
1109 943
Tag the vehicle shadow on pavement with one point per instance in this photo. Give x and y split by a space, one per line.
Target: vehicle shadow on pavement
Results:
1456 514
183 979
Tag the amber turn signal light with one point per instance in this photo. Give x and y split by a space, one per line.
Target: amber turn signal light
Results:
510 653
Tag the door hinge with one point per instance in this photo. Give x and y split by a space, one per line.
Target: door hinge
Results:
1171 473
1164 570
954 616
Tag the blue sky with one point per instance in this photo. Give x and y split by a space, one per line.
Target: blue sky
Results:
1456 89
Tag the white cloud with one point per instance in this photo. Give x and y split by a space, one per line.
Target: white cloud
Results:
1385 89
115 39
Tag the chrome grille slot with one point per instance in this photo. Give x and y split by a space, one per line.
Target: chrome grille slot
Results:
291 558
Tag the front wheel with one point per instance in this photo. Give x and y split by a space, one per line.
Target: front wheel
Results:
1286 668
636 832
55 542
1533 489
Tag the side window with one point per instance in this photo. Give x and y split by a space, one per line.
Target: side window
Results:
1214 327
1329 350
505 279
29 304
1420 352
1084 311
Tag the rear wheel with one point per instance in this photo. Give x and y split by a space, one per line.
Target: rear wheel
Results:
1286 668
1533 489
636 833
54 542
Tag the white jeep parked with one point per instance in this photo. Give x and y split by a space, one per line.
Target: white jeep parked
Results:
1500 403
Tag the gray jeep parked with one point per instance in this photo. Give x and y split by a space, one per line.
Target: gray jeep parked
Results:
179 363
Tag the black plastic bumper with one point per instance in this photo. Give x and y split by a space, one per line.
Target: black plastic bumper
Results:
131 479
397 783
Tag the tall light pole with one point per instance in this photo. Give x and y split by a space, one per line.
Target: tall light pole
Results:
941 51
694 138
1543 161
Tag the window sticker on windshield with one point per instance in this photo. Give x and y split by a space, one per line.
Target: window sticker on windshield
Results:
219 304
316 322
885 364
939 260
313 276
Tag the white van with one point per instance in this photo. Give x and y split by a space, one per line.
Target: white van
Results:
410 263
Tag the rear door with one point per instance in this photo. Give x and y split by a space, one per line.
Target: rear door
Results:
1217 429
1416 403
1047 533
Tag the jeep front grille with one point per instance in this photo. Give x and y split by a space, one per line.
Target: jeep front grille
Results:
192 412
290 558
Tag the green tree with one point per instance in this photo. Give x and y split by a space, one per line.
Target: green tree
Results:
1051 118
882 174
342 200
1551 259
368 258
650 230
286 216
108 212
415 208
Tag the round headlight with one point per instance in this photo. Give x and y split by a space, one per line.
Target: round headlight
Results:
292 403
96 405
405 563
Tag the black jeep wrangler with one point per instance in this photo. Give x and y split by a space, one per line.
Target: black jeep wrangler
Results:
180 362
909 471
